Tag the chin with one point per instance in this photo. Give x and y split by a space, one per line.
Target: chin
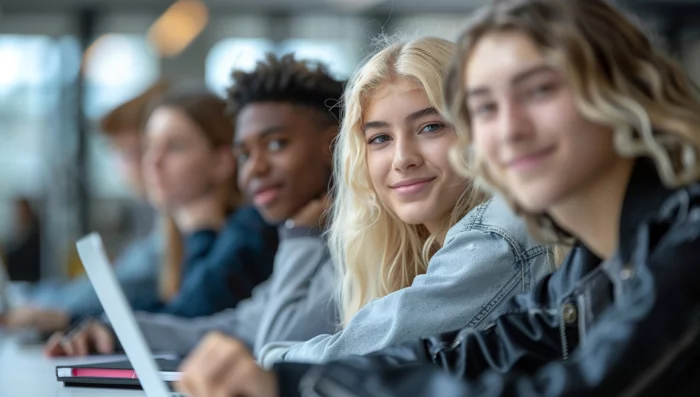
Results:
535 204
411 218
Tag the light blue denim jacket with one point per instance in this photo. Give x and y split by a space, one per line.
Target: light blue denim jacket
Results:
487 258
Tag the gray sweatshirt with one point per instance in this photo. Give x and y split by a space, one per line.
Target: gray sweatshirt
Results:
487 258
294 304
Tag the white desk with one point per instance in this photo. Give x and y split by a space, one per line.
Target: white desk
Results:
25 372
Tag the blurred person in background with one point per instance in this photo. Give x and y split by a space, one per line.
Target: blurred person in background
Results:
52 302
216 248
285 123
213 250
23 250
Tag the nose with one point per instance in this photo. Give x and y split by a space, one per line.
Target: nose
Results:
407 153
153 157
254 167
258 164
515 123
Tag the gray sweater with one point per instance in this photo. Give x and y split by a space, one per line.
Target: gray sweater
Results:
487 258
294 304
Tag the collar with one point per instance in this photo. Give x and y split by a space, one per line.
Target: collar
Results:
643 199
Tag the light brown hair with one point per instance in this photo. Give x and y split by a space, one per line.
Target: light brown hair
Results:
130 115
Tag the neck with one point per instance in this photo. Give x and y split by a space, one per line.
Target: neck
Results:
593 214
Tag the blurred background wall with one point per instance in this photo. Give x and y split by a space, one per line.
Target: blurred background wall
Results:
64 63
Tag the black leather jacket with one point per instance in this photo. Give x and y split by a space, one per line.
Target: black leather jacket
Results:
627 327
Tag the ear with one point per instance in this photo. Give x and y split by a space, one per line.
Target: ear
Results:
225 166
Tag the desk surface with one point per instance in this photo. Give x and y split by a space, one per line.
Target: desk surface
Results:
25 372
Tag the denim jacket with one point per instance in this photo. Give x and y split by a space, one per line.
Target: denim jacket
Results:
486 259
629 326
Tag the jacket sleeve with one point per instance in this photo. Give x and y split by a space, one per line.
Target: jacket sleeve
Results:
136 270
272 313
638 346
230 264
303 284
458 290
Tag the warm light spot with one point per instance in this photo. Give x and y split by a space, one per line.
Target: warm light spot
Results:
181 23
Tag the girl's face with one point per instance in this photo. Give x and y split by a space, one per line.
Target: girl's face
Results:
179 164
526 127
408 145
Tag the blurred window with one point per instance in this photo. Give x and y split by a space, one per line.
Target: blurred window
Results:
230 54
331 52
117 68
29 77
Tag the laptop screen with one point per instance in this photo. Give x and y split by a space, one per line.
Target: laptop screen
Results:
121 317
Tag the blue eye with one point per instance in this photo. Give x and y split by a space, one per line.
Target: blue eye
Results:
379 139
430 128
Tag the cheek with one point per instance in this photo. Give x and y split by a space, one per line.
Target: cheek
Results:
379 166
486 148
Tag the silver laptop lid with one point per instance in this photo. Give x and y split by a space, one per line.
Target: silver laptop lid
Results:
121 317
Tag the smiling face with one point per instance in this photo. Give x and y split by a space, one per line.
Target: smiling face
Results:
284 156
526 126
408 145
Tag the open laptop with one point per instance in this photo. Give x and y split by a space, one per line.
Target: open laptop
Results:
142 366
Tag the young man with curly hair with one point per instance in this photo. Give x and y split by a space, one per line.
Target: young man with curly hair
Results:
284 130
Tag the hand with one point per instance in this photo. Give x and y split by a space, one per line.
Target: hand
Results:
44 320
223 367
204 213
313 214
81 341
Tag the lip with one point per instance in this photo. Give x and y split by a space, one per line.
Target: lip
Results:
529 161
266 195
412 186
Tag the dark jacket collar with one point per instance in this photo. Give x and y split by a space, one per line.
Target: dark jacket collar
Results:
643 199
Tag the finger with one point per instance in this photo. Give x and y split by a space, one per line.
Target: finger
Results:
223 361
206 369
67 347
193 381
80 343
193 385
53 346
104 340
248 381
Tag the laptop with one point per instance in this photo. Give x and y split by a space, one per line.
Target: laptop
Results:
5 305
141 368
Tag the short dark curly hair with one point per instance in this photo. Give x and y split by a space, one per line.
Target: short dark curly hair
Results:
286 79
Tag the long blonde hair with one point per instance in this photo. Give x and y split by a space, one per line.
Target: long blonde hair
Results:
618 78
375 251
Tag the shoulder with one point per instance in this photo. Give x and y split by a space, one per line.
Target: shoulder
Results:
496 218
248 217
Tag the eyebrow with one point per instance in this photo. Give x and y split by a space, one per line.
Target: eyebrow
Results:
429 111
518 79
275 129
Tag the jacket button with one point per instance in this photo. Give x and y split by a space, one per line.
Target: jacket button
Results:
626 272
569 313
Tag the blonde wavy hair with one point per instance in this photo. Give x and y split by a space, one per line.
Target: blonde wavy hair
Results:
618 77
375 251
